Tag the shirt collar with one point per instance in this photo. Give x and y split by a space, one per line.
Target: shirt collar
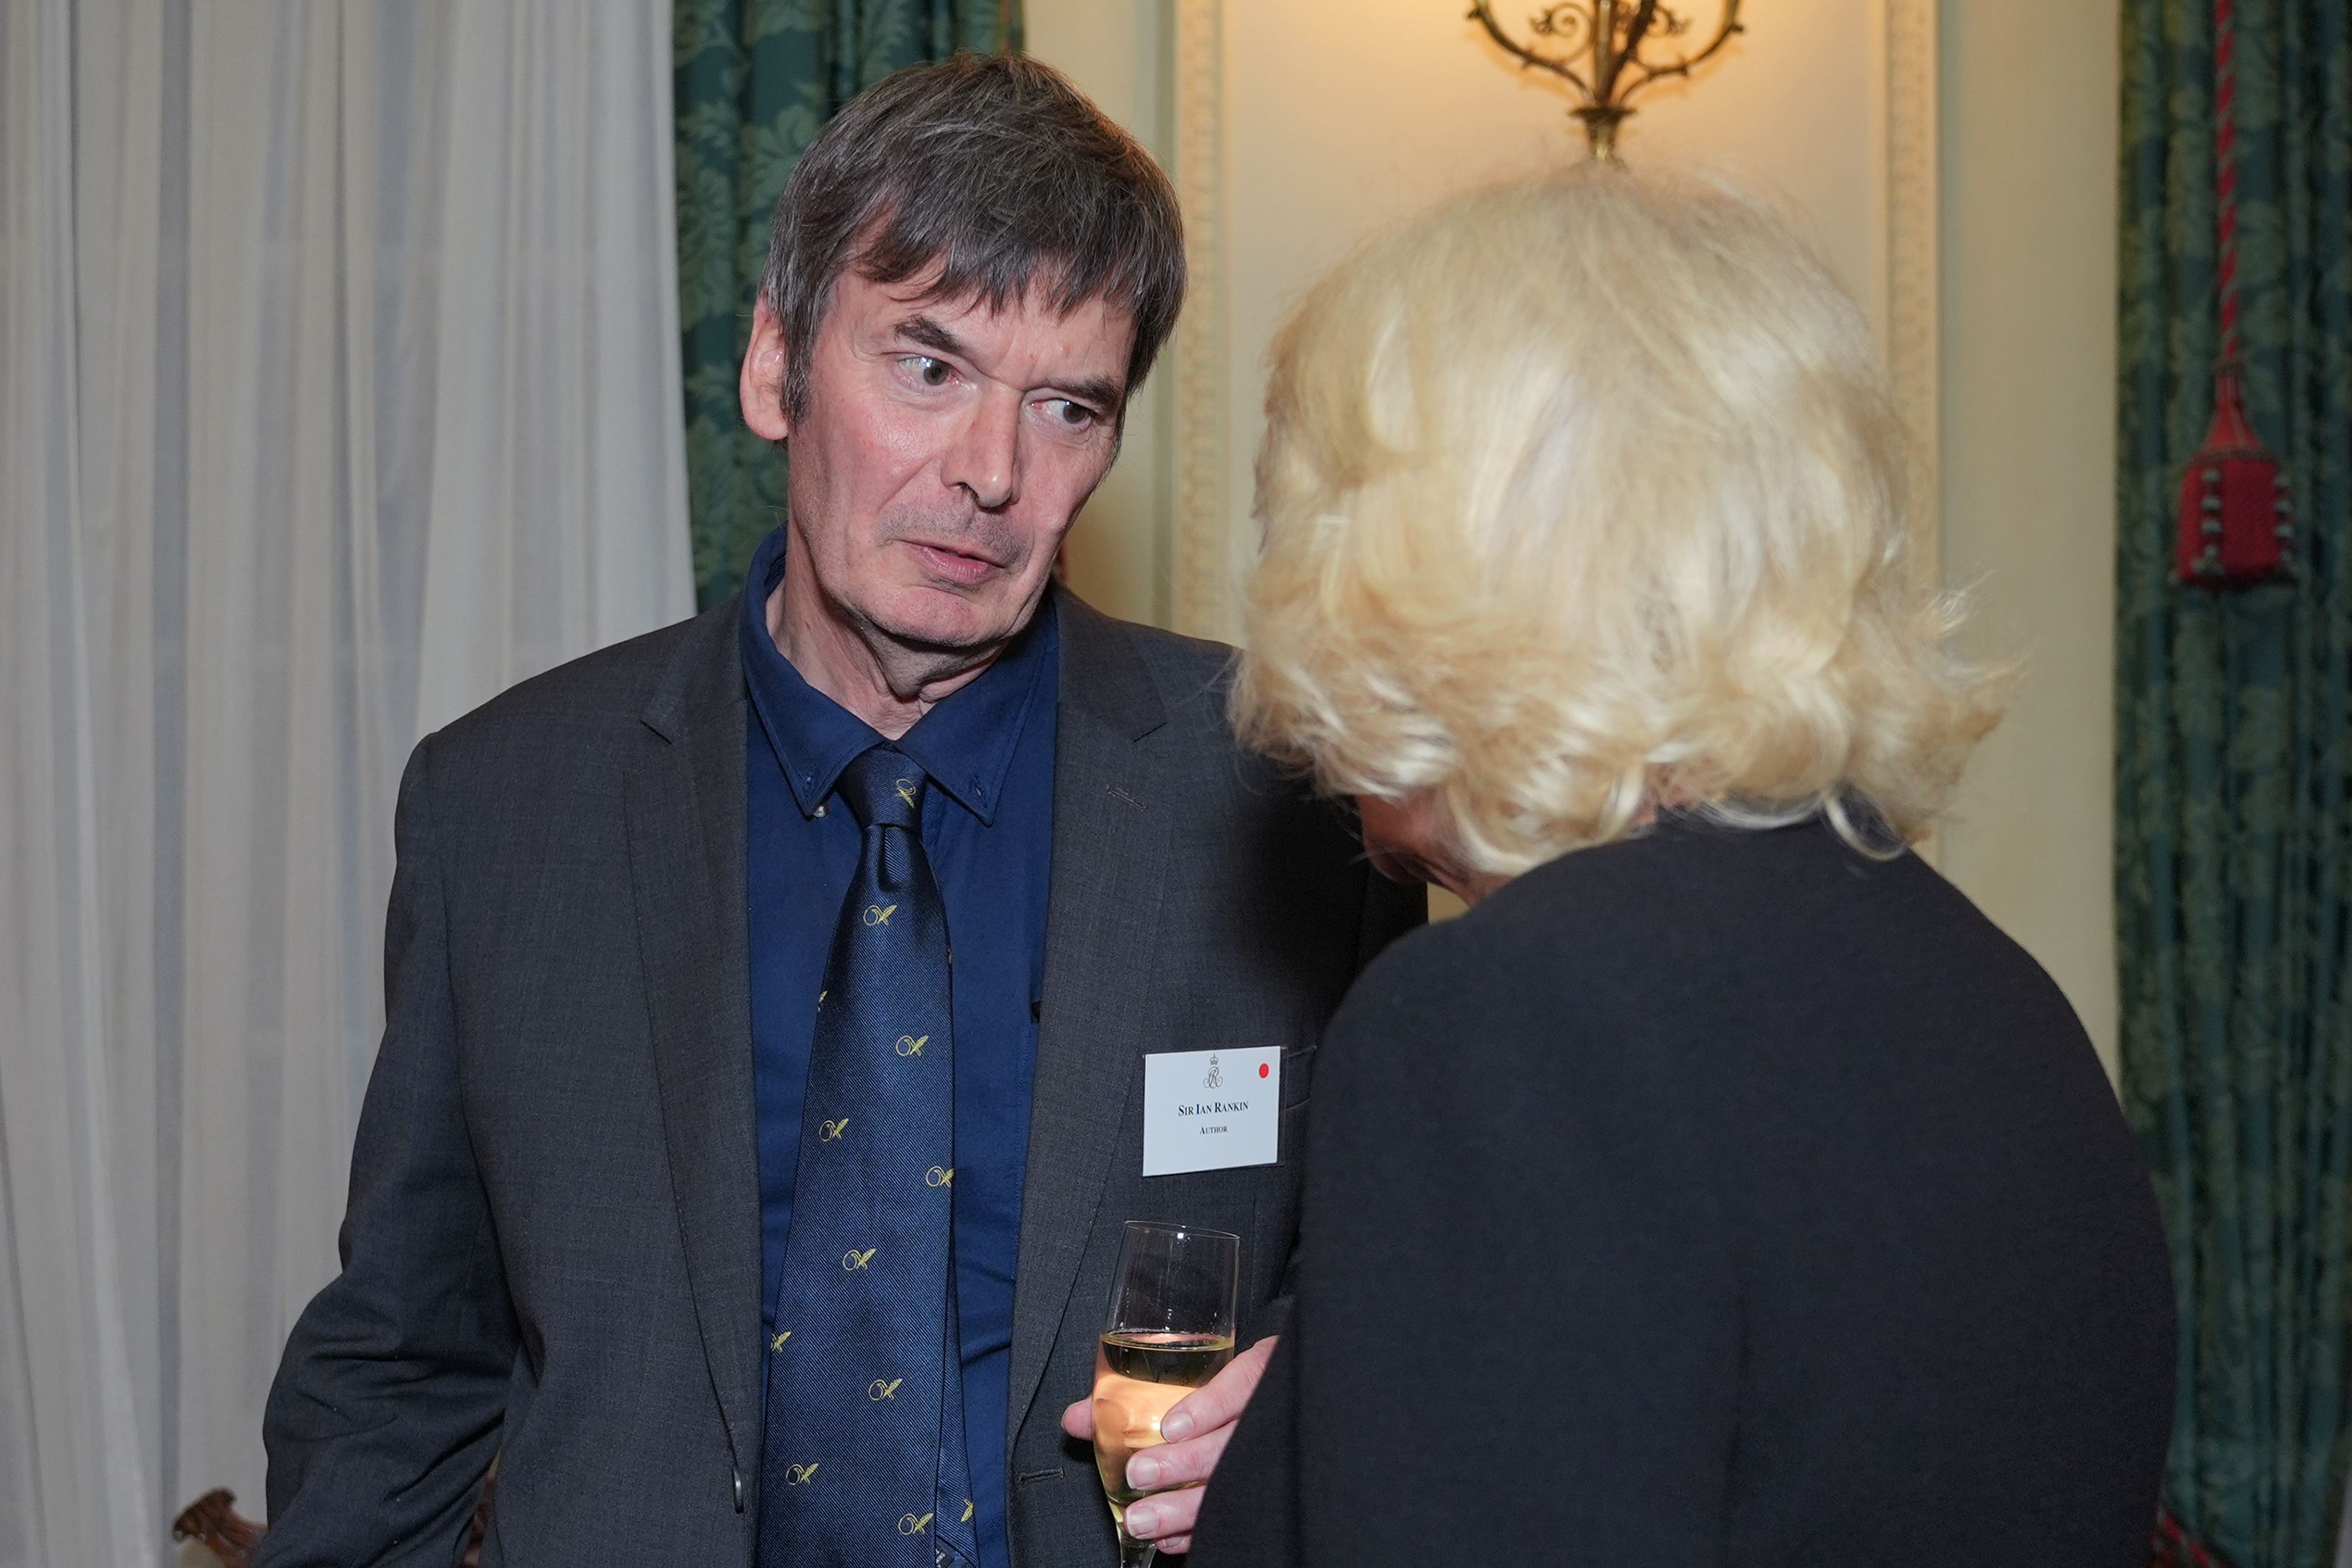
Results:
965 744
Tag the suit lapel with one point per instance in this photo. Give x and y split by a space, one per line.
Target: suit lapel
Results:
1110 853
686 829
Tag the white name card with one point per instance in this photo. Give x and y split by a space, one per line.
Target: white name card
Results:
1211 1111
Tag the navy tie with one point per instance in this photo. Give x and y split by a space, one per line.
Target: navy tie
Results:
865 1445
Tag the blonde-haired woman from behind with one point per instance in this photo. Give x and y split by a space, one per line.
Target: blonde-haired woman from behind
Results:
1722 1189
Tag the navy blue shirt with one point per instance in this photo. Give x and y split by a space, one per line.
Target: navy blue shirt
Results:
988 821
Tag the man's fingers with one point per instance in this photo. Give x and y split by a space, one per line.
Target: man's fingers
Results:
1178 1464
1196 1430
1219 1401
1168 1514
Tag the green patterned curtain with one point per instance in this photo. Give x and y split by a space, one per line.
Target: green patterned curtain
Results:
2233 788
754 80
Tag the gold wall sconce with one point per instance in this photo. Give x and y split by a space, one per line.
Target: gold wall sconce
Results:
1608 50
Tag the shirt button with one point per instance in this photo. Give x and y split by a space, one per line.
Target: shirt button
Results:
820 811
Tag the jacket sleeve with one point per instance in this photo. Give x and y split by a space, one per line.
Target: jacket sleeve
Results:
385 1413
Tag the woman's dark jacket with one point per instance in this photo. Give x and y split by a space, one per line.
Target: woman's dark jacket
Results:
1717 1199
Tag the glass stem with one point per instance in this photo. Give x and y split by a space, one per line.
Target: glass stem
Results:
1134 1554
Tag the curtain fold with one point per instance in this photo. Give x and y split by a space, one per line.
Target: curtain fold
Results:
339 389
755 78
2234 769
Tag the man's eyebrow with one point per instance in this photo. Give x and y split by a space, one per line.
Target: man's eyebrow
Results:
931 335
1100 391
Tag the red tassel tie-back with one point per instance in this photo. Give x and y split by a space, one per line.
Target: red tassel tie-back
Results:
2237 522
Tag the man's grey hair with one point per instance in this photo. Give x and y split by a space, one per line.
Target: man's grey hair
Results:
998 172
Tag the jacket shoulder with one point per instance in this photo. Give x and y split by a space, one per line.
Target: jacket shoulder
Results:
1186 663
589 707
1133 673
623 680
1161 649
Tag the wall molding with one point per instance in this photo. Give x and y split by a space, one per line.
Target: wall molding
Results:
1909 264
1202 556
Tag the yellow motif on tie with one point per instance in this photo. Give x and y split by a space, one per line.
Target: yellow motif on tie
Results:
910 1045
913 1524
936 1177
777 1344
798 1474
906 788
967 1510
876 915
831 1131
852 1260
883 1388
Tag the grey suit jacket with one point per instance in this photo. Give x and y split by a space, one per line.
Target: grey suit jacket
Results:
551 1252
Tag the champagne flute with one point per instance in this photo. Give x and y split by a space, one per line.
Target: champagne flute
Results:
1169 1331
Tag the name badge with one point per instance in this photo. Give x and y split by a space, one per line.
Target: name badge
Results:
1211 1111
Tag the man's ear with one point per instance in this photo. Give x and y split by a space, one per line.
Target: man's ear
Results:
761 387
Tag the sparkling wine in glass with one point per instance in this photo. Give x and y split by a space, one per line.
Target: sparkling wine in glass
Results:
1169 1331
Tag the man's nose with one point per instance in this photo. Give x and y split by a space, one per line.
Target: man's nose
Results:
985 458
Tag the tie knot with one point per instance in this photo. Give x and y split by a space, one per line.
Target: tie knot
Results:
883 788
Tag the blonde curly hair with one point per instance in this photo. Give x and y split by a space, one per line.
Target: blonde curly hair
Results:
1585 495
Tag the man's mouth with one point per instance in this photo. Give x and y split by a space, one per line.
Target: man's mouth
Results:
959 566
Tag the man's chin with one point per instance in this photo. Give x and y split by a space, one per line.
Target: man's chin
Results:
942 620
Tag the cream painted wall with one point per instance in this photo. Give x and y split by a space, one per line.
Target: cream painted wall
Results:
2030 146
1341 118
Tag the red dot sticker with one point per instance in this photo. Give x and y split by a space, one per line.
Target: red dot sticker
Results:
1264 1070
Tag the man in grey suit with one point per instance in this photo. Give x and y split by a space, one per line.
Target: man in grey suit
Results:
649 906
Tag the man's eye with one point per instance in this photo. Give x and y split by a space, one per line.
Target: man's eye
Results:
933 372
1076 415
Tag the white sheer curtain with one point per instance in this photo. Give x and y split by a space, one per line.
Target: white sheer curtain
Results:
338 390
